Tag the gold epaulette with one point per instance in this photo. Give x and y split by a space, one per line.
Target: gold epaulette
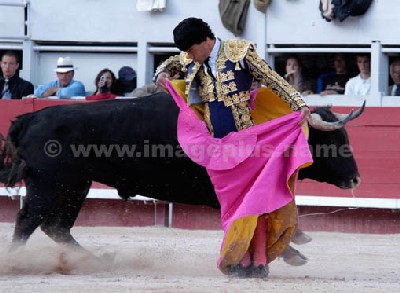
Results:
184 59
170 64
235 50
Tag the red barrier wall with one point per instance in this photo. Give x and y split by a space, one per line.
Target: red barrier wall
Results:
9 109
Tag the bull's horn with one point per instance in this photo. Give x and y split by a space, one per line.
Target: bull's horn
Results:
317 122
344 118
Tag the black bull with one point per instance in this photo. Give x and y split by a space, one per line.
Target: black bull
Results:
59 151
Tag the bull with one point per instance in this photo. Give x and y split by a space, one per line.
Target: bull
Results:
44 150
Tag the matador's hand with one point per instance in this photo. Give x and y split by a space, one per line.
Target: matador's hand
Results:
161 79
305 114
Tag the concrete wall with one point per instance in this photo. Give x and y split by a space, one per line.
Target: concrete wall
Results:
115 21
300 22
12 19
288 22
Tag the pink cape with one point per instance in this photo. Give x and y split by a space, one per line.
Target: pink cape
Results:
249 169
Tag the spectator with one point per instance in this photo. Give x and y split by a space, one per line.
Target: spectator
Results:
360 85
296 78
65 87
334 83
394 70
126 80
105 86
12 86
146 90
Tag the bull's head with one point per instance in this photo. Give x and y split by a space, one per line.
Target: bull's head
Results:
333 159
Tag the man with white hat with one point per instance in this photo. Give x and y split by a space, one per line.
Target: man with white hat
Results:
65 87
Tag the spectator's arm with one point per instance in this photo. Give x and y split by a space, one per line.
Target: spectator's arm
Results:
41 89
76 88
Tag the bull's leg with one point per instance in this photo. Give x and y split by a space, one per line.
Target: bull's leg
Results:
293 257
300 237
25 224
36 207
59 223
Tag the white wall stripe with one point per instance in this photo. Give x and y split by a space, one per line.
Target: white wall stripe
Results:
301 200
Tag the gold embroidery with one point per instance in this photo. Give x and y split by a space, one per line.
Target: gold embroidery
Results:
236 98
226 76
184 59
241 115
235 50
223 93
207 118
207 94
172 66
227 88
221 59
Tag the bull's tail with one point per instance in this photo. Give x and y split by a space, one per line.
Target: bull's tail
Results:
12 166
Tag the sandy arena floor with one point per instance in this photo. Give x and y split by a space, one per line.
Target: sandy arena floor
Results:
157 259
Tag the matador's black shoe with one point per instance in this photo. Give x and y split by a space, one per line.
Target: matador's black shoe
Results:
238 271
259 272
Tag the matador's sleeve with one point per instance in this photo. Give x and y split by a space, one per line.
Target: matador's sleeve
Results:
270 78
171 66
174 65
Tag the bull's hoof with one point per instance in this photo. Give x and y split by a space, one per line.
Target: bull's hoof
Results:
293 257
16 245
300 238
63 266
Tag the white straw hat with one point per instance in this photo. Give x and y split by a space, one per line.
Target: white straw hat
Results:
64 64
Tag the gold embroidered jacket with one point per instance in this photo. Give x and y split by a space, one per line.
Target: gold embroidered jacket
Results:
238 65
